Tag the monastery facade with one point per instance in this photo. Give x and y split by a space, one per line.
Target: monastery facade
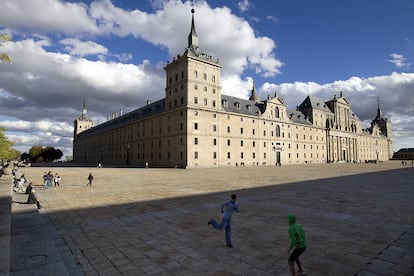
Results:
195 125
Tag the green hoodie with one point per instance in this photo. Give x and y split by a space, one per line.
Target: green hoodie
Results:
296 233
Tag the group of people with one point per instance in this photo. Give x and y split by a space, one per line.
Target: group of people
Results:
295 232
19 183
48 177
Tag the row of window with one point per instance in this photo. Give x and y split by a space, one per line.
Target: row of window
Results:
195 74
196 142
196 155
213 102
277 132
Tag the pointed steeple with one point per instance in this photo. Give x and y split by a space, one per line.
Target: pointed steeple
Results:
84 111
379 112
84 116
193 37
253 96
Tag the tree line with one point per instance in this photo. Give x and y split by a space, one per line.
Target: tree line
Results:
36 153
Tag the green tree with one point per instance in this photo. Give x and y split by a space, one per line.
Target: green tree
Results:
50 154
24 156
3 56
35 152
44 154
6 147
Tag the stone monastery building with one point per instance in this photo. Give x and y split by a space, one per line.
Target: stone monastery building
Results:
196 126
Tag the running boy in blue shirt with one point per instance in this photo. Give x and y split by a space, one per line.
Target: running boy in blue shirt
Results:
227 210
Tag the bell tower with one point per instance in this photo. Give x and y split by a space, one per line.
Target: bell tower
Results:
83 122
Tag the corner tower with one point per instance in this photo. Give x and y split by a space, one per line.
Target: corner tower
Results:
383 123
83 122
193 78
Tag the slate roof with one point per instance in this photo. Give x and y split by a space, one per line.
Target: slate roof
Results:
315 103
298 117
237 105
148 110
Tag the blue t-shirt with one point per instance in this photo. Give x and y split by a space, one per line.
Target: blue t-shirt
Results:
230 208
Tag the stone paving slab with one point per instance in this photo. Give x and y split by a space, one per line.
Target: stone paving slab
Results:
358 219
5 223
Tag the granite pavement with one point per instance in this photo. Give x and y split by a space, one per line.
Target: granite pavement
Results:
358 219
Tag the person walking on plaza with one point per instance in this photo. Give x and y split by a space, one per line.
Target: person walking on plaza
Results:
297 243
20 183
227 210
90 179
57 180
45 180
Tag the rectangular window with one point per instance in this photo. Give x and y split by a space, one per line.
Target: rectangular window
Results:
214 103
195 100
214 142
195 126
196 155
228 142
214 128
228 155
205 89
195 141
228 129
205 76
214 155
241 143
205 101
241 130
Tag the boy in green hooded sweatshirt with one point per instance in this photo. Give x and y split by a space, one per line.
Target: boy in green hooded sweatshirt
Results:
297 242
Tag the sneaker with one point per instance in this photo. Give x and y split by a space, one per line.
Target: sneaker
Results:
230 245
302 273
209 222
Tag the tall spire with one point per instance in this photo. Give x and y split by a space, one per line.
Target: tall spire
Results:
379 112
84 111
193 37
254 96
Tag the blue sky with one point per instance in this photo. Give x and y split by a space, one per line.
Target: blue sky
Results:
113 54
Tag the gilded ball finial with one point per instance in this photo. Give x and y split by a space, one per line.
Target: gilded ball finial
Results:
192 11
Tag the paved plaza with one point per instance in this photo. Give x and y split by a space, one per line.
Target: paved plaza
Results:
358 218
